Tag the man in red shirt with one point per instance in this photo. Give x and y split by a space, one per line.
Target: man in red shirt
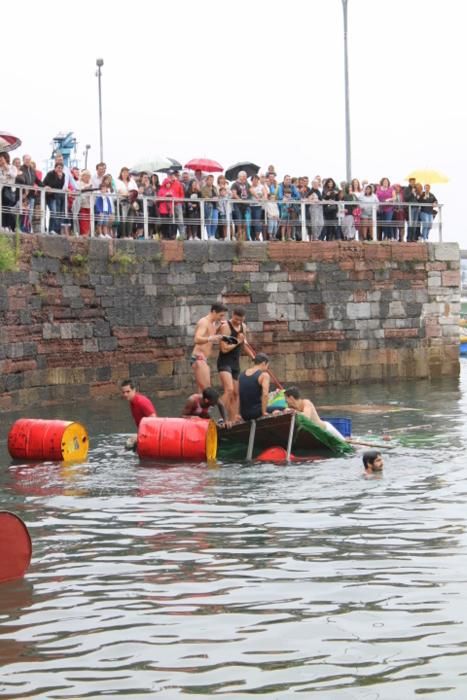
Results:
141 407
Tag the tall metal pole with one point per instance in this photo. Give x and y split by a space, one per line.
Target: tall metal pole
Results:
348 159
99 64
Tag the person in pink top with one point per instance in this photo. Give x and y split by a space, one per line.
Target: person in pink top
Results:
385 193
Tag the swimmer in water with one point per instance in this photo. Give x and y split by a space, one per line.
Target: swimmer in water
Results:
372 463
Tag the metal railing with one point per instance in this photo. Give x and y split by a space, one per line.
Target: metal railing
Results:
38 209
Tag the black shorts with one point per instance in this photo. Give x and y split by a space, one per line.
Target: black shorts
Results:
234 371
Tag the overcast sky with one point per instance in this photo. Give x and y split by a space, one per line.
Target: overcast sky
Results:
260 81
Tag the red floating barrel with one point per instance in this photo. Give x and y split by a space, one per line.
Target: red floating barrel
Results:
273 454
188 439
15 547
54 440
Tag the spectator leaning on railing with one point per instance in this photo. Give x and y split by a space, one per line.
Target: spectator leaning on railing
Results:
191 206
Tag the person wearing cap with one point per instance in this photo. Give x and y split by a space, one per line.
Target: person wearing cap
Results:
254 389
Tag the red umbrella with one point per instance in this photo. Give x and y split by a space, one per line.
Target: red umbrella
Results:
8 142
204 164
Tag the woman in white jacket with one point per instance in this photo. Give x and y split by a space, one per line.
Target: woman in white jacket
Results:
368 202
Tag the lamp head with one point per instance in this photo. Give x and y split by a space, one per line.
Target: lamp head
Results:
99 62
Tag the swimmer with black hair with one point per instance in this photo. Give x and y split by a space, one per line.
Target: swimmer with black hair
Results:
373 464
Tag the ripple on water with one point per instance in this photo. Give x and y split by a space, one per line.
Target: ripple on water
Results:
237 581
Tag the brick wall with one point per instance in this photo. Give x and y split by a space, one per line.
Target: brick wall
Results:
78 316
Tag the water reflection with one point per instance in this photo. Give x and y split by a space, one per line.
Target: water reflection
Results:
245 580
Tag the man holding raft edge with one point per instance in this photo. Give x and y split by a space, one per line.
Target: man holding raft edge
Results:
306 408
254 388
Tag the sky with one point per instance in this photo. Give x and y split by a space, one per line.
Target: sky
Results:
260 81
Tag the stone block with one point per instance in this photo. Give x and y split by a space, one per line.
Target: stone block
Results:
221 250
173 251
107 344
396 308
360 310
451 278
50 331
71 291
184 279
142 369
246 267
55 247
254 251
444 251
90 345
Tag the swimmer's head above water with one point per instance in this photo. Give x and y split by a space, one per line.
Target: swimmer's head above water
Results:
372 461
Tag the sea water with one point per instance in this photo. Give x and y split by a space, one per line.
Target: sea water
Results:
241 580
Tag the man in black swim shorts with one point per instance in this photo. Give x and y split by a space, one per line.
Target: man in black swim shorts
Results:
228 361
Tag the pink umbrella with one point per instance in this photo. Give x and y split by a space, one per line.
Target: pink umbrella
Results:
204 164
8 142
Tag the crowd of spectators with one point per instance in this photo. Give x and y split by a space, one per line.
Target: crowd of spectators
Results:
179 204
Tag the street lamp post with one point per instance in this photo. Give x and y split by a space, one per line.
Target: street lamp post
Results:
85 154
348 159
99 64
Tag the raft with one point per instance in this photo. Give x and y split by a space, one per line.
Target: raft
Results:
291 431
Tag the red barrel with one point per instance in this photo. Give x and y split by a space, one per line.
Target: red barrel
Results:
189 439
15 547
55 440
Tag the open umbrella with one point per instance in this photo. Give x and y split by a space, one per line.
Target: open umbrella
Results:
428 177
176 165
8 142
204 164
155 165
250 169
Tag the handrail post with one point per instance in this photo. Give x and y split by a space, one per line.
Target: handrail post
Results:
91 215
204 233
440 223
228 219
251 440
43 211
374 221
303 221
145 217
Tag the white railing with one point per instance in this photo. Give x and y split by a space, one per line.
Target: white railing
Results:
298 219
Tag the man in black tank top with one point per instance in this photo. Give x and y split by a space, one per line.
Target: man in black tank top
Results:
228 361
254 389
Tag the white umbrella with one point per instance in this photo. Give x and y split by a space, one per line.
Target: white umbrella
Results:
153 166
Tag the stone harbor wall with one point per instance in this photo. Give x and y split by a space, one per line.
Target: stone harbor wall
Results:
80 315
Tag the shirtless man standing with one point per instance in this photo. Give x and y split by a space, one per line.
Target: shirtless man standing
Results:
206 333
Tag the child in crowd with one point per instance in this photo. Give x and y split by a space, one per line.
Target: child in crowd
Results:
104 212
192 210
225 212
368 202
272 216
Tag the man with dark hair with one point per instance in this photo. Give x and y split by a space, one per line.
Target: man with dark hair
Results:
206 333
306 408
233 332
372 463
254 389
141 407
99 176
199 404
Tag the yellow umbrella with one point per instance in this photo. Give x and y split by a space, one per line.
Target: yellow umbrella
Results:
430 177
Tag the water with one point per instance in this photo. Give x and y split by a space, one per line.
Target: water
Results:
236 581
